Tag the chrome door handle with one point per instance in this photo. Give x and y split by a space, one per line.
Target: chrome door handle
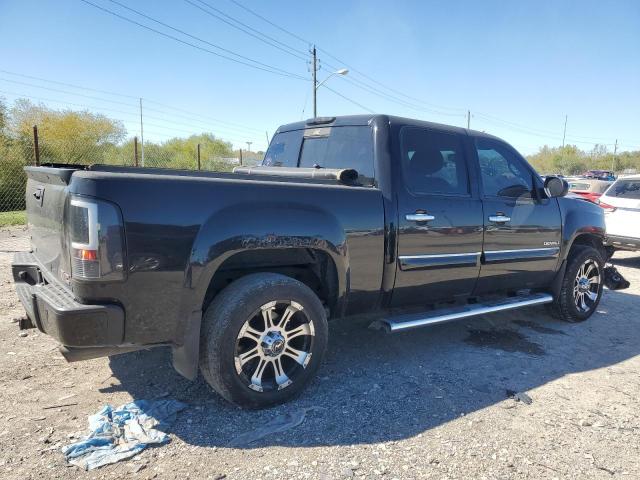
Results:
499 219
419 217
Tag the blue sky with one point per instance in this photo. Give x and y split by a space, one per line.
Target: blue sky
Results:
520 67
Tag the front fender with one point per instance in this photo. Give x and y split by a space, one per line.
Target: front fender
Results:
579 217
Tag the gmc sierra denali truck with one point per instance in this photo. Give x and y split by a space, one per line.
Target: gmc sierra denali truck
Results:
415 222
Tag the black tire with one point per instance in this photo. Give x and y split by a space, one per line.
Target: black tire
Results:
243 303
566 306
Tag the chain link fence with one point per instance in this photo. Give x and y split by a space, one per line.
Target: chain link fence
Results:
203 152
84 144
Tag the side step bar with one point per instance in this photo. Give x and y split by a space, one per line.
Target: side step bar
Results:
415 320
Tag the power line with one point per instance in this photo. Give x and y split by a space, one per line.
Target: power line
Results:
274 70
137 12
244 27
194 114
106 92
349 99
65 92
351 68
135 115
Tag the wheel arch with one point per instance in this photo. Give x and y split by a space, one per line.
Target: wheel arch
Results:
263 238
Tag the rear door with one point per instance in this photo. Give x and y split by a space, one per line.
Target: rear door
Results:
522 231
440 218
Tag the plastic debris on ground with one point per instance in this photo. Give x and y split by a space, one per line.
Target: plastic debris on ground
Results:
276 425
121 433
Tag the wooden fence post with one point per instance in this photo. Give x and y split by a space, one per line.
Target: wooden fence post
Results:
135 151
36 145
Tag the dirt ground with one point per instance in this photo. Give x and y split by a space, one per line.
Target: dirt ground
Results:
431 403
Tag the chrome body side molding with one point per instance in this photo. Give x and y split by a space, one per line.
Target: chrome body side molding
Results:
520 255
417 262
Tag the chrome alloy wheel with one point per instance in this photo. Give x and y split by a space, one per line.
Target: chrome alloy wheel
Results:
274 346
586 287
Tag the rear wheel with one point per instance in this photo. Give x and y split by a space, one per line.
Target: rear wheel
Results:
263 339
581 287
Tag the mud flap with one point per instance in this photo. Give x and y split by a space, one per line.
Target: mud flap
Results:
186 356
613 280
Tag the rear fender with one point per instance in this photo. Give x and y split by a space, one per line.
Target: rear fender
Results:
252 227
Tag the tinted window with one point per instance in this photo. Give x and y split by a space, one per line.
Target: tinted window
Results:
324 147
339 147
433 162
502 171
283 150
625 189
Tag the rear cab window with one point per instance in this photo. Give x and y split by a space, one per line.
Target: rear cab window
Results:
325 147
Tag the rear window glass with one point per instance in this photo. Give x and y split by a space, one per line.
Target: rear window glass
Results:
625 189
324 147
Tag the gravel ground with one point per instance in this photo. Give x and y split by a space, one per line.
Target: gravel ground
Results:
432 403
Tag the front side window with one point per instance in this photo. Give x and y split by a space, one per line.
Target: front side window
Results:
502 171
433 162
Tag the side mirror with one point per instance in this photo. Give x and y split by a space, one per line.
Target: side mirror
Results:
555 187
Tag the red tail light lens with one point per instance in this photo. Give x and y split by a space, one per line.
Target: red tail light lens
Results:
96 239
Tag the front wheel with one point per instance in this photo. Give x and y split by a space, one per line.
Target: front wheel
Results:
581 287
263 339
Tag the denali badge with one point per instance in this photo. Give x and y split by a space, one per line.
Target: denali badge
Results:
551 244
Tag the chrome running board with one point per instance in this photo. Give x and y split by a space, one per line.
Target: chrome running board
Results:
415 320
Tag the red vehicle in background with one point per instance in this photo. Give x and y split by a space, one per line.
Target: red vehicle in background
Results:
589 188
606 175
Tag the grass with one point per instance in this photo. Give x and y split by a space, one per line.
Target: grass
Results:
13 218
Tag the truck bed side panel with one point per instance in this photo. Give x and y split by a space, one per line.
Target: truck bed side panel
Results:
179 228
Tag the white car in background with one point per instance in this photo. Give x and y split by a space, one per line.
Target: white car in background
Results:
621 204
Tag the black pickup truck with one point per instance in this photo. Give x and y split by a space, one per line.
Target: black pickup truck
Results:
415 222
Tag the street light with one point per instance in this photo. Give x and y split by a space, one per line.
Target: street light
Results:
342 71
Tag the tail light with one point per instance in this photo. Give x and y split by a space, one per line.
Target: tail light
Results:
96 239
606 207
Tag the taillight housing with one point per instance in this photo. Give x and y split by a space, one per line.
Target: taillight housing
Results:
96 239
605 206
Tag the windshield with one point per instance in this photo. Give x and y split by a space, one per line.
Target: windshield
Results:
324 147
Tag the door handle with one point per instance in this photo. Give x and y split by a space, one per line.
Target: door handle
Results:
499 218
419 217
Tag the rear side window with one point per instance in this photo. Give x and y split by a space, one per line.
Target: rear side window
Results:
325 147
283 150
433 162
625 189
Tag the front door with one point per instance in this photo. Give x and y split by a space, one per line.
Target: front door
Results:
522 230
440 219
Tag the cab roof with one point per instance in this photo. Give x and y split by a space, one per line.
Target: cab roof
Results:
380 119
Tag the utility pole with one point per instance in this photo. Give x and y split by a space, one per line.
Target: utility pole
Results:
248 146
468 119
314 70
141 133
266 134
615 150
564 134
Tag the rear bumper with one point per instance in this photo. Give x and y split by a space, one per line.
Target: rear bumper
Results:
53 309
623 243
